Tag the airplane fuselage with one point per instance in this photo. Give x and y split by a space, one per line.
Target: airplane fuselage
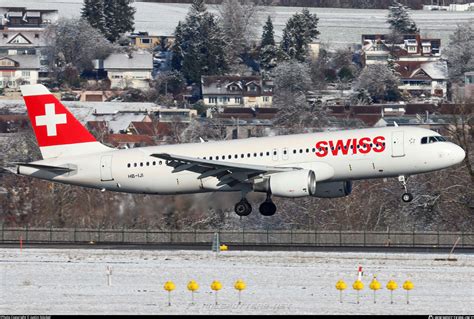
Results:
333 156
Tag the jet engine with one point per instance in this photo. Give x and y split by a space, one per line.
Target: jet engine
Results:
333 189
289 184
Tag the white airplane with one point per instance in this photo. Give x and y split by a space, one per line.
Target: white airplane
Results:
317 164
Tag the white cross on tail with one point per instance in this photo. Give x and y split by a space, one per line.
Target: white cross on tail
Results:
50 119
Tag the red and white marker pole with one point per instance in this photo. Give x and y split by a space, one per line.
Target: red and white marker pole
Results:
360 273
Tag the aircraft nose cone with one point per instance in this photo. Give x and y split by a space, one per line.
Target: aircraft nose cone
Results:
458 154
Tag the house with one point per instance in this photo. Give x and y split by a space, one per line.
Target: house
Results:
418 77
132 70
469 85
143 40
119 122
129 141
377 48
246 91
175 115
18 70
22 17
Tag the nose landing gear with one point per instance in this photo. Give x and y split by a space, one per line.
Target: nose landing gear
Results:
406 197
267 208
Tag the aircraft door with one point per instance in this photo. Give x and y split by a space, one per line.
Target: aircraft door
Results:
398 149
106 168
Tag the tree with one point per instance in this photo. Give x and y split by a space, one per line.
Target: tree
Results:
199 47
239 19
269 52
460 52
292 81
73 44
119 18
93 12
399 19
268 35
380 82
292 76
299 32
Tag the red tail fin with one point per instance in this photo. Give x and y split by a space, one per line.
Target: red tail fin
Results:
54 126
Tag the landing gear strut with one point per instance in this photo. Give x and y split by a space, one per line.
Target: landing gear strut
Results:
406 197
243 208
267 208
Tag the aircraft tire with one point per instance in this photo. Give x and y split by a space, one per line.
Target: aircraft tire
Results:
407 197
243 208
267 208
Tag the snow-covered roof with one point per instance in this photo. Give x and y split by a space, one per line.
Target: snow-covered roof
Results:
135 61
436 70
119 121
26 62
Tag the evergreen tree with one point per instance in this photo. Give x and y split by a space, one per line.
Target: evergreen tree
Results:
199 47
268 35
93 12
111 17
298 33
399 19
269 52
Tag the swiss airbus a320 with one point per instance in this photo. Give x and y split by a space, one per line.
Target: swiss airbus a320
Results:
318 164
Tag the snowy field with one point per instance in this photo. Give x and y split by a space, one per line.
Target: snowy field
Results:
73 281
338 27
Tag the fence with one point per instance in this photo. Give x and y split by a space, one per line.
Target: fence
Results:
239 237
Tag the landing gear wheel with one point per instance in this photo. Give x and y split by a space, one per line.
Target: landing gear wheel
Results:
267 208
407 197
243 208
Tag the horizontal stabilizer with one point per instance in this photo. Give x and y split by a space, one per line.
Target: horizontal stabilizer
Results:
54 169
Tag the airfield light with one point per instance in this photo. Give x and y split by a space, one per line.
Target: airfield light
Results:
391 285
169 287
341 285
223 247
358 285
192 286
408 285
216 286
375 285
240 285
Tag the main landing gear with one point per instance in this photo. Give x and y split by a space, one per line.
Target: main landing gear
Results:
406 197
243 208
267 208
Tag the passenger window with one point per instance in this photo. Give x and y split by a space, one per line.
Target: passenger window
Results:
229 157
128 165
248 154
254 154
147 163
134 164
301 151
154 163
274 152
307 150
268 153
314 150
236 156
261 153
210 158
294 151
161 162
141 164
217 158
242 155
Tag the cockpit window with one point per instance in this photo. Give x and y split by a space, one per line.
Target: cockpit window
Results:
432 139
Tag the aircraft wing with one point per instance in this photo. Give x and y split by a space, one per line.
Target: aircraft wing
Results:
227 172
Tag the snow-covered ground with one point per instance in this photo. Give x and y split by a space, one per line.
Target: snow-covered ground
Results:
73 281
338 27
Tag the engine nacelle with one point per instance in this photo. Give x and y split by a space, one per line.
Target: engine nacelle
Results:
333 189
289 184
